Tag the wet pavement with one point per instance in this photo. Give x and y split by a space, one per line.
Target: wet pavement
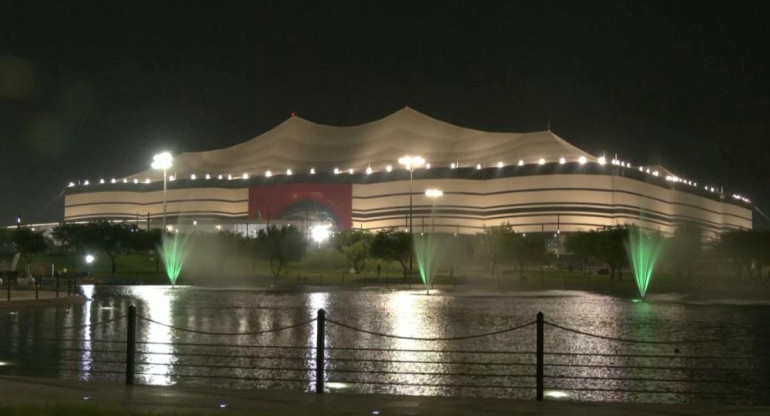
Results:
26 391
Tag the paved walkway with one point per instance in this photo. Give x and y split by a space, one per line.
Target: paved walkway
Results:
26 298
45 392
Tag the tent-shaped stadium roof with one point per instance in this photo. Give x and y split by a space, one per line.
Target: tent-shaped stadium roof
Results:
300 145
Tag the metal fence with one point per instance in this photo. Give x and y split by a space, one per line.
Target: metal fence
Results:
455 371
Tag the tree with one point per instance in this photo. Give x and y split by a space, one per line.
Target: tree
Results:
745 248
606 245
583 245
528 249
494 245
281 246
28 242
391 245
110 238
145 241
611 248
354 244
5 239
686 248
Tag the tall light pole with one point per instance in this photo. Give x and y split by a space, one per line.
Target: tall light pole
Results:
433 194
162 161
410 163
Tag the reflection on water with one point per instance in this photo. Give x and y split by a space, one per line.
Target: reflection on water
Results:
159 350
664 373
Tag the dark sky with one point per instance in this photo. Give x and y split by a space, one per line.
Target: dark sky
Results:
92 90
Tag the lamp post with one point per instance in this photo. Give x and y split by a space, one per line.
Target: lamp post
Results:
162 161
433 194
410 163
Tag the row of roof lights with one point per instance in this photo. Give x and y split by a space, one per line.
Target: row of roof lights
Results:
389 168
742 198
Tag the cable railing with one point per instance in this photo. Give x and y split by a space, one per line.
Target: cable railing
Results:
439 364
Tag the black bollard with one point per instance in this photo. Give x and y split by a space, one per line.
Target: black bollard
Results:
131 345
320 350
57 287
539 358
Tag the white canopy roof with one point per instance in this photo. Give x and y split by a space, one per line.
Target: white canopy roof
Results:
300 145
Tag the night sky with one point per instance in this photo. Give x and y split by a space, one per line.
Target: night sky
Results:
91 90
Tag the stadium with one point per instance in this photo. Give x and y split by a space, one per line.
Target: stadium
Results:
309 174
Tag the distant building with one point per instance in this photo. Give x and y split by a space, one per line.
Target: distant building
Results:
306 173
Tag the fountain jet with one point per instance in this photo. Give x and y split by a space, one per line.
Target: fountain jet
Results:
173 251
643 251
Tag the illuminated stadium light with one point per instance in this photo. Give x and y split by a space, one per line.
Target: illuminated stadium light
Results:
602 160
453 165
219 177
208 176
268 173
541 161
193 177
125 180
648 170
656 173
713 190
521 162
434 193
85 182
582 160
562 160
171 178
312 171
245 176
289 172
113 180
137 180
478 166
336 171
147 180
641 169
320 233
229 177
162 161
411 162
427 166
101 181
71 185
368 170
388 168
499 164
350 171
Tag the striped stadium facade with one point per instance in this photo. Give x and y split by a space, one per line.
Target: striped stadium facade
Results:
536 181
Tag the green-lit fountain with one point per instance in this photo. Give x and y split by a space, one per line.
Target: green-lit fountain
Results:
643 251
173 251
428 250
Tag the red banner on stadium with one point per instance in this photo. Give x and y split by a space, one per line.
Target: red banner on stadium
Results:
270 201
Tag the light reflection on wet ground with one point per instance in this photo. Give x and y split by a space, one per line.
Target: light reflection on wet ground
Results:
37 343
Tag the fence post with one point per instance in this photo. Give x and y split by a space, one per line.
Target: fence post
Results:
9 287
320 349
539 358
37 289
57 287
131 345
